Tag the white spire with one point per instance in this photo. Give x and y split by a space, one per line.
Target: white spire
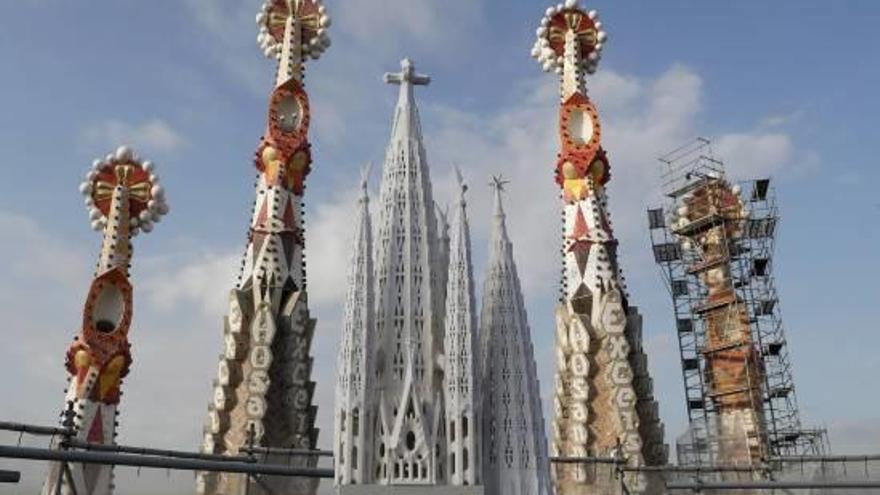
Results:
353 412
408 329
514 446
461 380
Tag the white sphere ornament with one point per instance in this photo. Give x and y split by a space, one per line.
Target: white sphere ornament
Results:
123 153
96 225
570 4
147 227
550 11
592 14
157 191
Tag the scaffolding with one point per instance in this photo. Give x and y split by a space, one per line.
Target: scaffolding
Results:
713 242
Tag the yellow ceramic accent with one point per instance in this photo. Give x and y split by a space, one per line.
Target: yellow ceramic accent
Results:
110 375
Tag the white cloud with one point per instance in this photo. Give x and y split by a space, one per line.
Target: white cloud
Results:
328 249
154 135
754 154
173 284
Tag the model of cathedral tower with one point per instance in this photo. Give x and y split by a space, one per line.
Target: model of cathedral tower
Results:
603 398
263 392
514 443
462 379
409 445
124 197
408 386
355 406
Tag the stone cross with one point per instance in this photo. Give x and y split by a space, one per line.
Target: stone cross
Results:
407 75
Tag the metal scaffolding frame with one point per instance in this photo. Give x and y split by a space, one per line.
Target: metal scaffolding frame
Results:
750 259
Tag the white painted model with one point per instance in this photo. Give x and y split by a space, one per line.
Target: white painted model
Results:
409 444
354 409
461 374
515 458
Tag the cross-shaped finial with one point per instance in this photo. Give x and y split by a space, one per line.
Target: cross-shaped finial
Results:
407 75
498 182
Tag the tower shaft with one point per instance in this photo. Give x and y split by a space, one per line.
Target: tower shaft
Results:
409 331
263 394
355 404
123 197
514 444
603 398
461 346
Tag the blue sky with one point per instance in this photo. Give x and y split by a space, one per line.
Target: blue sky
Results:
786 89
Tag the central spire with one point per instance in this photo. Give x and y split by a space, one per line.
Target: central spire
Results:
409 321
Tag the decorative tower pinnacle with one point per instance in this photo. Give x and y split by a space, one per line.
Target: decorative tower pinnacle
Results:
123 197
263 392
354 405
461 377
604 402
514 445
